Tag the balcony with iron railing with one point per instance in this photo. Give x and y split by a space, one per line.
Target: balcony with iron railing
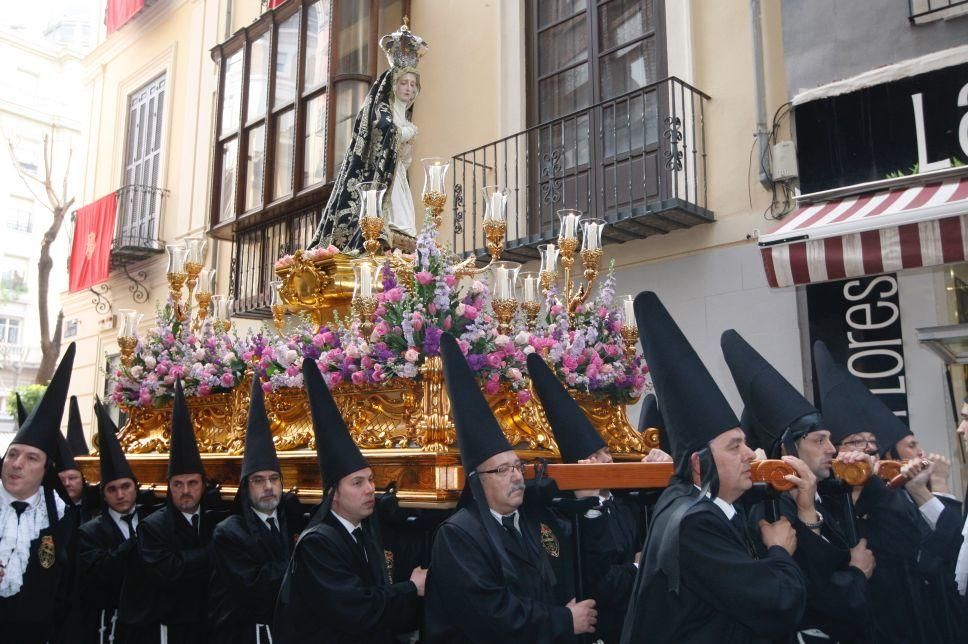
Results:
920 11
637 161
137 224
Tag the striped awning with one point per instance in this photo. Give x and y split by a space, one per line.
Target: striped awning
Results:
869 233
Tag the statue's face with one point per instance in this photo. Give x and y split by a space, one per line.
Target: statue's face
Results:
407 87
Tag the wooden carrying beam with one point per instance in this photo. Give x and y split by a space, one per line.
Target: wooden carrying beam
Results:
612 476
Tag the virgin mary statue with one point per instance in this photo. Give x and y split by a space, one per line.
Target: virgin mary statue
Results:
379 148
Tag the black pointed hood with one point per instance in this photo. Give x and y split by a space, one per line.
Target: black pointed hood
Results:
775 411
183 456
114 465
574 433
693 408
479 435
336 452
21 411
65 458
260 452
42 426
849 407
75 430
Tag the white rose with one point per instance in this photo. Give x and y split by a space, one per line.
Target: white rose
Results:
150 363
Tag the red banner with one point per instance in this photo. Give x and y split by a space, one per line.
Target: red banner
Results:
275 3
121 11
91 252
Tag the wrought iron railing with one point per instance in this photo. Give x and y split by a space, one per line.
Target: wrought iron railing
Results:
138 223
919 9
254 254
638 161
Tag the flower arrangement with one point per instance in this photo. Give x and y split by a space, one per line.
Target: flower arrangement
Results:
206 362
313 254
585 349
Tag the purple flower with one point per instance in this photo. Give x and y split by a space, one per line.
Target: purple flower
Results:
431 344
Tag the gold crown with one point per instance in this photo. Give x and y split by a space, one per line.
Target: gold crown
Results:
403 48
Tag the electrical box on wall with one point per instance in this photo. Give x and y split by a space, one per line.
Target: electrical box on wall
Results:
784 156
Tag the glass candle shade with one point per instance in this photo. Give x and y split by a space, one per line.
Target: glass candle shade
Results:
549 257
176 258
206 282
569 223
195 248
371 199
276 287
435 176
504 278
530 283
592 234
221 307
495 203
128 321
629 306
364 277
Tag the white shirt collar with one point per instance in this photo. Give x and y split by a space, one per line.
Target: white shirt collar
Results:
6 498
498 516
265 517
188 516
121 523
726 507
345 523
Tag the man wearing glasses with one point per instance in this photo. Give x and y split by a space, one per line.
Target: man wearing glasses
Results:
490 579
252 547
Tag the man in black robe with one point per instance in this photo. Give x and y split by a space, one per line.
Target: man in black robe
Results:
787 426
612 532
337 588
166 591
490 579
107 544
37 524
252 547
700 579
913 534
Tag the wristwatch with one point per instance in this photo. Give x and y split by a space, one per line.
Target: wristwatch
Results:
814 525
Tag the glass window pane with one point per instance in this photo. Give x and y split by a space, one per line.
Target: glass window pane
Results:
564 93
354 37
563 45
226 208
550 11
286 61
391 17
628 68
282 155
349 99
255 167
258 77
232 93
317 43
621 21
314 145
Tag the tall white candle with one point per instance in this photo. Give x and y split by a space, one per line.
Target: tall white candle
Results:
437 177
366 282
501 283
592 234
497 207
629 304
370 210
530 289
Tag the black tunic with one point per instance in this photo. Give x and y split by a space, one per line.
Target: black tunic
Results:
33 614
936 563
470 600
725 595
104 555
169 582
331 594
249 566
609 545
838 601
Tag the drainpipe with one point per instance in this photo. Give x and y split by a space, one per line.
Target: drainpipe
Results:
762 131
228 19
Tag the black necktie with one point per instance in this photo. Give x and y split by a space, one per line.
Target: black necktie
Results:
360 543
129 519
508 523
739 521
276 533
195 524
20 507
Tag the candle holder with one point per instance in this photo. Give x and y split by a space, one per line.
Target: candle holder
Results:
177 275
495 230
435 188
364 303
128 320
194 261
203 296
591 248
504 283
630 335
371 214
221 322
548 273
277 306
530 299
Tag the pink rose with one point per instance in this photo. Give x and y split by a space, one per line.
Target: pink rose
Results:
335 379
493 360
228 380
491 387
267 387
395 294
470 312
359 378
450 280
447 323
327 337
424 277
204 389
524 397
318 340
411 355
569 362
